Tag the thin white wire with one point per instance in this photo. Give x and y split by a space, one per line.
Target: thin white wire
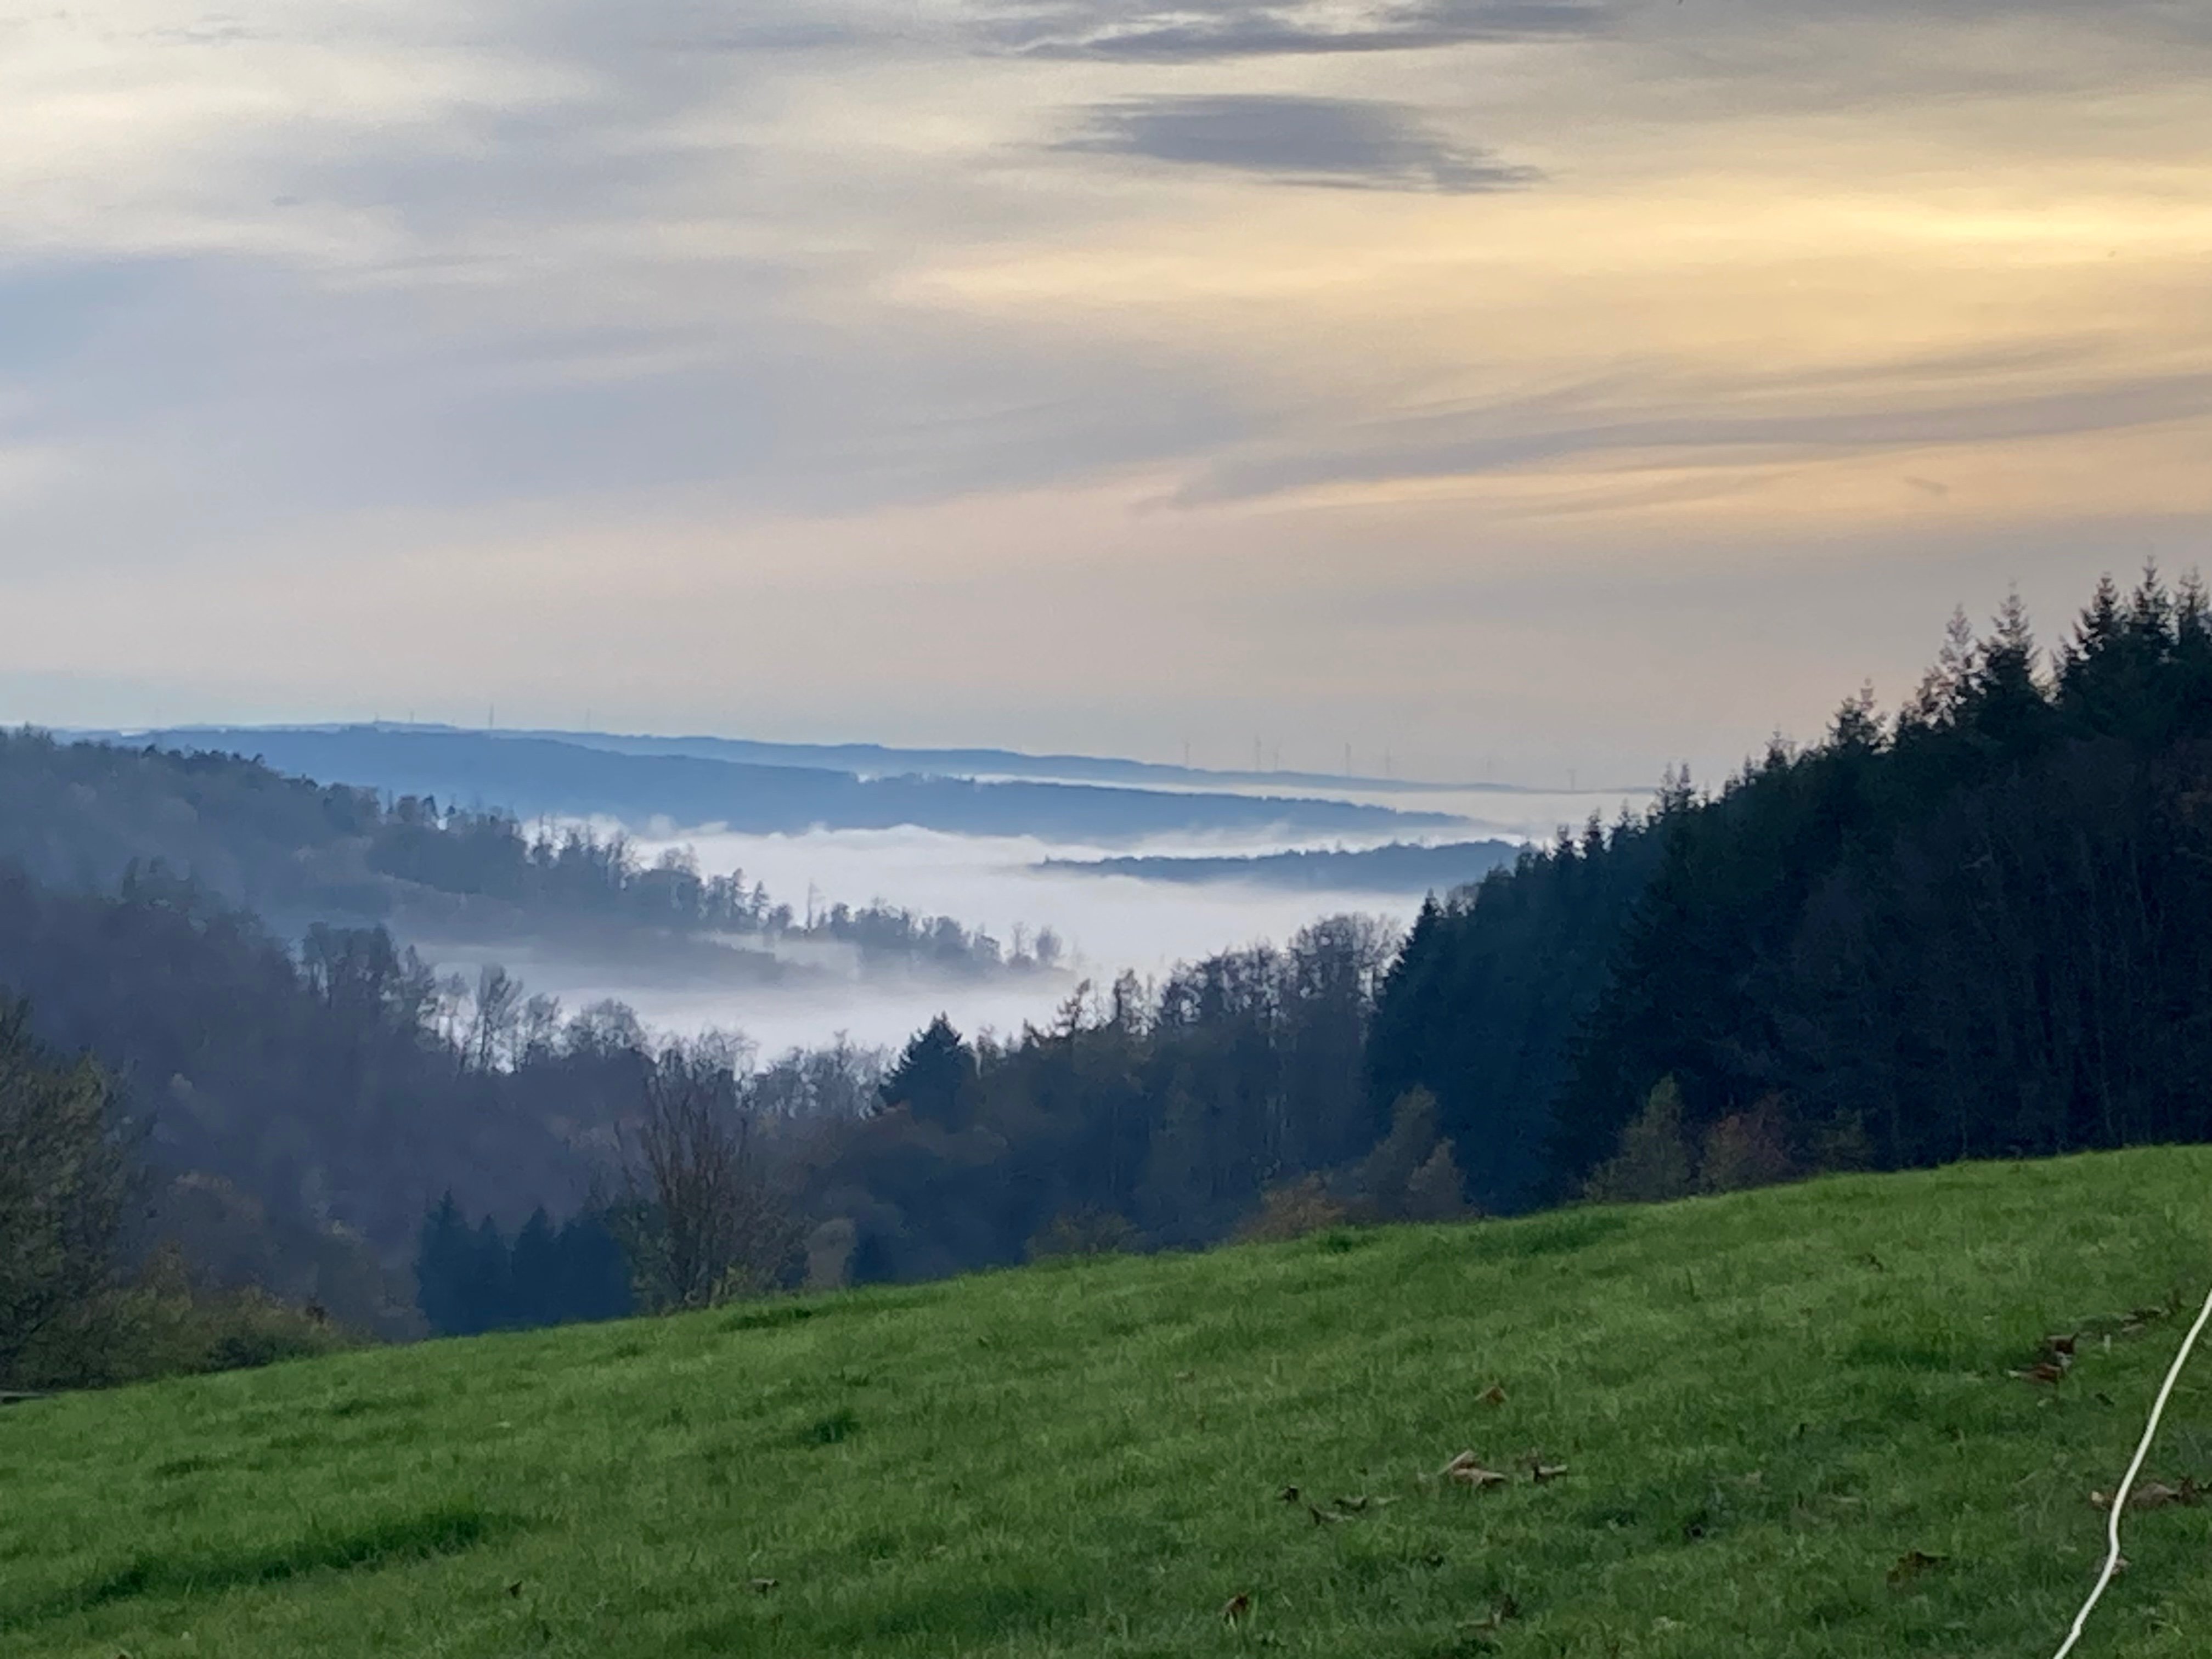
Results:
2127 1484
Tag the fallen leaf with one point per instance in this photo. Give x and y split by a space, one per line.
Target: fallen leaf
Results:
1236 1607
1492 1396
2041 1371
1910 1565
1288 1495
2155 1495
515 1588
1542 1471
1322 1515
763 1586
1467 1470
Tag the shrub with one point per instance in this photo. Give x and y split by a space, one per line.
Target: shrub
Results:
1653 1163
1292 1210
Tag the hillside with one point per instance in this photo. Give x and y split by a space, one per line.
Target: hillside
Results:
1785 1418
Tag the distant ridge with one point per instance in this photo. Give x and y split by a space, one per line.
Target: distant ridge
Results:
1398 868
881 759
533 776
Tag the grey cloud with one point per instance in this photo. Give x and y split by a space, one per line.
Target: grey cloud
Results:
1138 33
1530 432
204 401
1338 141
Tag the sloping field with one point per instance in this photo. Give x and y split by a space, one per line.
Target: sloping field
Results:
1785 1421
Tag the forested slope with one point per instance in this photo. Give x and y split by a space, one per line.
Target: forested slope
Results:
1981 928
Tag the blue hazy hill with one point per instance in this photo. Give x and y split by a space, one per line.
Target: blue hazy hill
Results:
1399 867
537 775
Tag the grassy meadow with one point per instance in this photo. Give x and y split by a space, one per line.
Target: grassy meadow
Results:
1785 1419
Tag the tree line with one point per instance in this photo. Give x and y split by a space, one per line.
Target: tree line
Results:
1976 927
83 815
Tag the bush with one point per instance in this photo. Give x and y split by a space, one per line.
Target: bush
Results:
1292 1210
164 1323
1746 1150
64 1177
1653 1163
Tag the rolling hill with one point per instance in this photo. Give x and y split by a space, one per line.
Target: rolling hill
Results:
1779 1424
535 775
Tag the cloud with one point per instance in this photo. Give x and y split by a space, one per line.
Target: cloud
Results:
1532 433
1121 33
1338 141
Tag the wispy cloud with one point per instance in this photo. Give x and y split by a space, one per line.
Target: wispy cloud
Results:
784 361
1343 142
1148 35
1538 432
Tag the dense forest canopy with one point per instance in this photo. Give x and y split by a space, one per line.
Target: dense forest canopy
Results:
1981 928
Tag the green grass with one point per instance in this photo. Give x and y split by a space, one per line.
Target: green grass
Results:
1764 1403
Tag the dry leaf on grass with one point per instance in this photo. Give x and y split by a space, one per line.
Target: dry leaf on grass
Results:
1492 1396
1467 1469
2155 1495
1236 1607
763 1586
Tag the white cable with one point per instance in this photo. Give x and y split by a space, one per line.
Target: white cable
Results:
2127 1483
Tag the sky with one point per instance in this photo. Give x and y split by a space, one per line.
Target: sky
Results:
1505 387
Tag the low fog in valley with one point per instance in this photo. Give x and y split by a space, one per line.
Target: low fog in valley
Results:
1104 924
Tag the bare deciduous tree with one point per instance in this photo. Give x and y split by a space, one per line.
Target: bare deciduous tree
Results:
706 1221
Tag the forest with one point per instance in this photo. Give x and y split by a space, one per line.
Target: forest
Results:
296 852
1979 926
